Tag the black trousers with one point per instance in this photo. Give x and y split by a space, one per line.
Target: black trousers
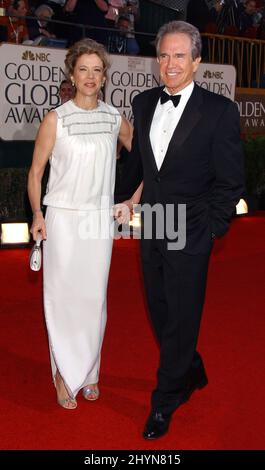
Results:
175 285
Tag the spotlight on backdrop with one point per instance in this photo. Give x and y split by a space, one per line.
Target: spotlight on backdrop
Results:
2 8
242 207
14 234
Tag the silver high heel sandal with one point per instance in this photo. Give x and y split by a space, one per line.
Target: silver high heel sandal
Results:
68 403
90 394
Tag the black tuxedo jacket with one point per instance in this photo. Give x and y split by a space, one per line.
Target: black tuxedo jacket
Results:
203 166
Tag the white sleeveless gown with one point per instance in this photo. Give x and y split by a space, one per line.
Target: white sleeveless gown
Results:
78 248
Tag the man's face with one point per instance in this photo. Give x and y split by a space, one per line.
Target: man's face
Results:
123 25
251 8
21 9
176 65
43 16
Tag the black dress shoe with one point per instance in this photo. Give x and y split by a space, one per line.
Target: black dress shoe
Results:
156 425
192 387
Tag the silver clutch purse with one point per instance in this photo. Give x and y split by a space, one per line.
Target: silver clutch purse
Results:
35 255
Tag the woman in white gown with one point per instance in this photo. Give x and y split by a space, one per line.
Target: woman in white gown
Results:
79 137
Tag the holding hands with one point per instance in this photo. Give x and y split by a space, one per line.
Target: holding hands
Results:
122 212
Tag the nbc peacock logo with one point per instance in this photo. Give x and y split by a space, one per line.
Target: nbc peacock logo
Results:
215 74
28 55
37 56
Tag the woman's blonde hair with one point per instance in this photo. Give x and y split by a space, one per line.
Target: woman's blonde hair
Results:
85 46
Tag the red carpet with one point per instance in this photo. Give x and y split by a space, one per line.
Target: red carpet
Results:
228 414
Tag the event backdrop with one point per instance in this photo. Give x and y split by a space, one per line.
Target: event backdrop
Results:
30 78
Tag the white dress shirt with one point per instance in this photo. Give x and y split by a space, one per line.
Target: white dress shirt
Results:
165 121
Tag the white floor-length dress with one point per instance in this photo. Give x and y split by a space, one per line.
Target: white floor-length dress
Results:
78 248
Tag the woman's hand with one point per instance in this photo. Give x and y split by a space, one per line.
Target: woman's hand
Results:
123 211
38 226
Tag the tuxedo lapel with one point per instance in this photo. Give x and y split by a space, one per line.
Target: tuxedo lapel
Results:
190 117
147 117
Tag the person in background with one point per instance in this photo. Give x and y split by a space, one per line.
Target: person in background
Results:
57 6
60 30
261 28
122 14
66 91
204 16
117 43
246 19
16 28
132 11
80 139
113 12
92 14
40 26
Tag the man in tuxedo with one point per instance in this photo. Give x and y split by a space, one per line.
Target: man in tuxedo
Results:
187 150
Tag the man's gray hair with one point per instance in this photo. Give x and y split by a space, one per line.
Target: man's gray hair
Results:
185 28
43 8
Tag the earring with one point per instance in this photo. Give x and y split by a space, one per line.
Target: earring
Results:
102 85
73 83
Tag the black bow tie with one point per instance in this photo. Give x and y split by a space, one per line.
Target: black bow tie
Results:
164 97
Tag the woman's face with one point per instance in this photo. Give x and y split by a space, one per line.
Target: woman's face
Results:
88 75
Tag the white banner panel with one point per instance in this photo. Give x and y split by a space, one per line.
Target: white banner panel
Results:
127 77
220 79
30 78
